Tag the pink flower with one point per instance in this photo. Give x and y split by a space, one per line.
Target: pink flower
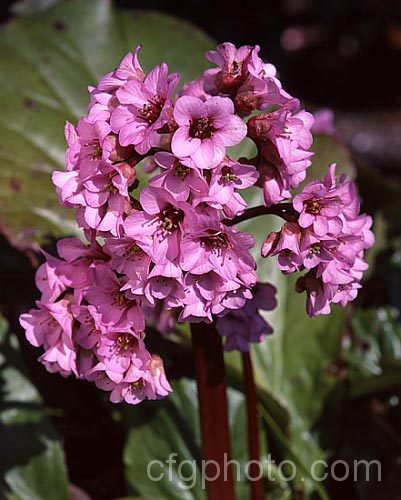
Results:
260 93
152 384
90 144
119 352
208 246
205 129
243 76
162 218
170 254
195 89
328 239
50 326
89 330
103 196
210 294
103 99
283 139
320 204
57 275
228 176
144 109
92 184
319 295
180 178
74 146
77 260
129 257
49 280
117 312
163 283
286 245
231 68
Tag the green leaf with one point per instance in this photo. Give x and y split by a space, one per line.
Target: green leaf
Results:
32 463
48 59
330 150
28 7
171 426
374 352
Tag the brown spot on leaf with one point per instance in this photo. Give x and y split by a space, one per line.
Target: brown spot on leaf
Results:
59 26
15 184
34 106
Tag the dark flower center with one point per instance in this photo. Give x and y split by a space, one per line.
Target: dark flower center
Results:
110 187
93 149
315 248
151 110
171 217
120 298
202 128
135 249
313 206
215 239
126 341
236 69
138 384
227 175
180 170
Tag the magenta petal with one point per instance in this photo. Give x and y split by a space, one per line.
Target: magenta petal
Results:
136 318
233 131
140 224
178 187
321 226
219 109
152 200
188 108
204 156
182 144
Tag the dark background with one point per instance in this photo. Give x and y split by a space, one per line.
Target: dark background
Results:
341 53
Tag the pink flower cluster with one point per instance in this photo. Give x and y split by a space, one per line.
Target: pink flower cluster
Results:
282 136
88 327
328 239
172 252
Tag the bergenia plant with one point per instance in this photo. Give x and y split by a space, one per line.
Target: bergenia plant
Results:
171 251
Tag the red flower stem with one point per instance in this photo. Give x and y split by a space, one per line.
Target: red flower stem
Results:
256 486
284 210
212 396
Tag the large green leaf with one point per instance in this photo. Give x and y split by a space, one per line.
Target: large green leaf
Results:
47 60
31 462
170 428
374 351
